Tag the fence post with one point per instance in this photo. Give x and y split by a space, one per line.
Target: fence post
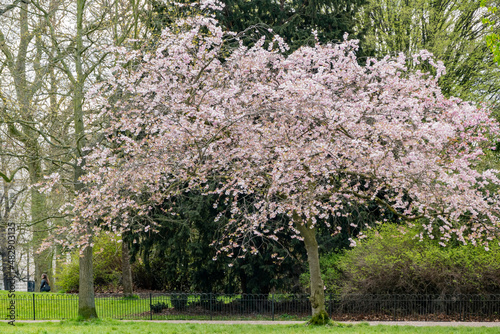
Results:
272 307
211 311
150 307
394 305
34 318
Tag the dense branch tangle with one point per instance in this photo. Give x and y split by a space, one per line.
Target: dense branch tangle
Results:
297 136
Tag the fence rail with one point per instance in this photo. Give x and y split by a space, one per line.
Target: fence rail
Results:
169 306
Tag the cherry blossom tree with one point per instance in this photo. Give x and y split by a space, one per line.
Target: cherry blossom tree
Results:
288 142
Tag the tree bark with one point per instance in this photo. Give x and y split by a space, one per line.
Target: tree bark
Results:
317 297
126 271
86 302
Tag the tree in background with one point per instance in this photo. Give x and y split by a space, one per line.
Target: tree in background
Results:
179 256
493 39
23 69
300 137
451 30
51 52
78 54
298 22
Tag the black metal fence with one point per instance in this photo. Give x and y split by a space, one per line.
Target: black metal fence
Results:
170 306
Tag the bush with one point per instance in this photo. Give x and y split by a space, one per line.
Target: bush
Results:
331 273
393 260
158 307
179 301
107 259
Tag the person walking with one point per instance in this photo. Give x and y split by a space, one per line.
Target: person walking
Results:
45 285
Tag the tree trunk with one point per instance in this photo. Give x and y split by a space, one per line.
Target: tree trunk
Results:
86 301
317 298
126 271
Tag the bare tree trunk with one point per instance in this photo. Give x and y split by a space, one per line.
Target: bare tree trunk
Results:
29 137
126 271
317 298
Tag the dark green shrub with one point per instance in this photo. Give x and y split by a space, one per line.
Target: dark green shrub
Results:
179 301
158 307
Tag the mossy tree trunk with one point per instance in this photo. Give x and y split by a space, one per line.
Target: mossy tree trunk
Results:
317 298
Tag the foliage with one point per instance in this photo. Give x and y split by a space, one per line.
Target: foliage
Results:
394 259
451 30
107 267
493 39
331 272
158 307
179 257
297 22
295 138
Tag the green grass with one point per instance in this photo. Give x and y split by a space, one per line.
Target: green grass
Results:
65 306
113 326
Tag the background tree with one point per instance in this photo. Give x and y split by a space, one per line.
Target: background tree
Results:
179 257
297 22
11 191
47 64
96 24
451 30
24 66
493 39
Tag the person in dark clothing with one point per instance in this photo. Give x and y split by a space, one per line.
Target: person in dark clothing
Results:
45 286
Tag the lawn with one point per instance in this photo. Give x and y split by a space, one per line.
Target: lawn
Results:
114 326
65 306
58 306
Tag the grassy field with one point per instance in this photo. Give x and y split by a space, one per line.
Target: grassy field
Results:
113 326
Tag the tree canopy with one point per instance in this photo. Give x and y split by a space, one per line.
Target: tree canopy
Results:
299 136
451 30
